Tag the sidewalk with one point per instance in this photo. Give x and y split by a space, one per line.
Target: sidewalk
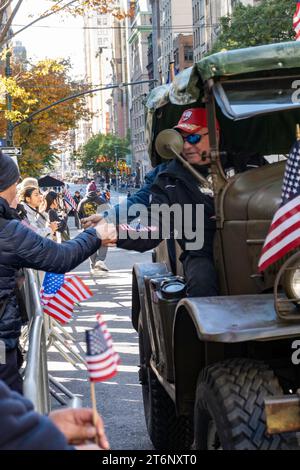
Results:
119 399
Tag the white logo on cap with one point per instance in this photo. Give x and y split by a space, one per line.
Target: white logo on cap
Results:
186 116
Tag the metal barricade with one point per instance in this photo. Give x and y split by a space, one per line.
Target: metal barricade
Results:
36 383
39 337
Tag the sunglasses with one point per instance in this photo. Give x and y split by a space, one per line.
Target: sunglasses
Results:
194 138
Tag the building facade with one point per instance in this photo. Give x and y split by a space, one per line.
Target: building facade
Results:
155 40
120 70
98 43
183 52
19 52
206 17
175 18
140 28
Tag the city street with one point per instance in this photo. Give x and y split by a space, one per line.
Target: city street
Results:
119 399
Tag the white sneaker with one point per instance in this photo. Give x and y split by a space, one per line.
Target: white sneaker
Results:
96 271
101 266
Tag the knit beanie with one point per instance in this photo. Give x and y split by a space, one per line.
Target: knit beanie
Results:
9 172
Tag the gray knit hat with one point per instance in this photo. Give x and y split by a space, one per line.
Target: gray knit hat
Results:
9 172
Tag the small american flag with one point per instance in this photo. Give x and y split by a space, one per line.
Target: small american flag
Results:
60 293
296 21
101 358
69 199
51 283
284 233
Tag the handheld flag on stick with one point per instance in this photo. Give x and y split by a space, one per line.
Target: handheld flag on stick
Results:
60 293
69 199
101 358
284 233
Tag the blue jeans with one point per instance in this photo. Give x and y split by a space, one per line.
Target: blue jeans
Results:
200 276
99 255
9 372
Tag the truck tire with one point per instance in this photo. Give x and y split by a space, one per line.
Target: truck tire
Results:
167 431
229 407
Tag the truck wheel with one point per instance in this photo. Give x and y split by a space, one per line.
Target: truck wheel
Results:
166 430
229 407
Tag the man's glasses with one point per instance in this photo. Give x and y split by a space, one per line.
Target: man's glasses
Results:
194 138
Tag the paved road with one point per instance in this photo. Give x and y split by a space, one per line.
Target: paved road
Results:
119 399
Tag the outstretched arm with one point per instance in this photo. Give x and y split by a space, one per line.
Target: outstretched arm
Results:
21 247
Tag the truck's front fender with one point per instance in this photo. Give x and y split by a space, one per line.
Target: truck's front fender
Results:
203 327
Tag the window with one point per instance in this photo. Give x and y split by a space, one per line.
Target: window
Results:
188 53
240 100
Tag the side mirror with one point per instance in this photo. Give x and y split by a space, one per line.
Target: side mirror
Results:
169 143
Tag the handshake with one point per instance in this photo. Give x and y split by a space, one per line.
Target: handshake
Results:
105 230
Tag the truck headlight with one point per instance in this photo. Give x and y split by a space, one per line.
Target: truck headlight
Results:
291 283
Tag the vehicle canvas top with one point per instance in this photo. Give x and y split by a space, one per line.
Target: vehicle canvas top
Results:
253 88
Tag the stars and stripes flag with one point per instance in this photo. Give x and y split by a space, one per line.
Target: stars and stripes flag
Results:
101 358
60 293
284 233
69 199
296 21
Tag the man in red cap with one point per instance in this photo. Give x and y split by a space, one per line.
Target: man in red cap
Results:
193 128
176 185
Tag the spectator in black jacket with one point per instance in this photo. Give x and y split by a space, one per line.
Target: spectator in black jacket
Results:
77 198
52 209
67 429
20 247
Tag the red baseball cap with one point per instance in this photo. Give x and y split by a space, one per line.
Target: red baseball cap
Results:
193 120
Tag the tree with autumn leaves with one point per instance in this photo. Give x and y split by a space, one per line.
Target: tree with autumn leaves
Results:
43 84
101 151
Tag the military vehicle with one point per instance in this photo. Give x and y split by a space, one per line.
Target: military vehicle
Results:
208 364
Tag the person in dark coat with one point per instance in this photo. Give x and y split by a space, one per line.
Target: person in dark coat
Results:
52 209
77 198
24 429
176 185
20 247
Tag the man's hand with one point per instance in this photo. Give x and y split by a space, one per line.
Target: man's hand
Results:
91 221
107 232
88 447
77 426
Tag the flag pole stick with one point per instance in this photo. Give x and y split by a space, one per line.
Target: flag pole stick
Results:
94 407
298 132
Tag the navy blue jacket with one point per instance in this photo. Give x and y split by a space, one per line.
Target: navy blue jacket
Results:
175 185
21 247
140 197
24 429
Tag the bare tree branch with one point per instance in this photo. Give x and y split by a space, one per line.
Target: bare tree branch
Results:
5 5
3 35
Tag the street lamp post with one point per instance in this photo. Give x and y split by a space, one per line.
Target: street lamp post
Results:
9 128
